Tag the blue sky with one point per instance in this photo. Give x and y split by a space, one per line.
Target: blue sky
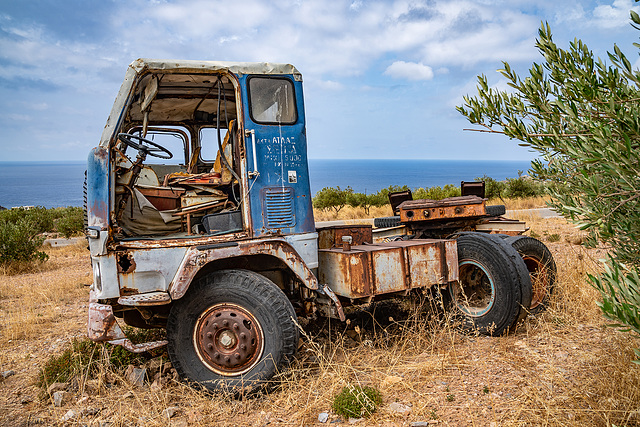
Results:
381 78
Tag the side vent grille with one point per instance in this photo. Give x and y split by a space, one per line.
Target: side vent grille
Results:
279 207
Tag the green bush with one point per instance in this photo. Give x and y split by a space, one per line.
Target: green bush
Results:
69 221
356 401
492 189
521 187
19 241
332 198
40 217
437 192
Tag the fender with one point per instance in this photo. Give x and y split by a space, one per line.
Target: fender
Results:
198 256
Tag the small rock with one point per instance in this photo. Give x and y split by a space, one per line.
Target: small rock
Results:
69 415
155 364
135 375
420 424
57 387
156 386
399 408
354 420
7 374
323 417
265 418
60 398
170 411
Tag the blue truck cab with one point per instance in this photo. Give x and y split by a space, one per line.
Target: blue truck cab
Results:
200 222
200 182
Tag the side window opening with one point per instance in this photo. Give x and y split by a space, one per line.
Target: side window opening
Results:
272 100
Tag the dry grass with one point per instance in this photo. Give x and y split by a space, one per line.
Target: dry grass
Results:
563 367
349 212
526 203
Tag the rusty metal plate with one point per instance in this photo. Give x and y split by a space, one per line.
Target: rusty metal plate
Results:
331 237
370 270
346 272
449 208
430 261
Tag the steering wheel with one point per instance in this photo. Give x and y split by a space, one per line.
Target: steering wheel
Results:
145 146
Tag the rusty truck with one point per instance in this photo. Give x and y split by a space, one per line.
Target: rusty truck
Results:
199 220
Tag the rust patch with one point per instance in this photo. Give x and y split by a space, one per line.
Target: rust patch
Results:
126 263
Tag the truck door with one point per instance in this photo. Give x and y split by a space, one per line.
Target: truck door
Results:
275 141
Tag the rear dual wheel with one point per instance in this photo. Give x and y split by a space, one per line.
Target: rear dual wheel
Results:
232 331
541 267
487 298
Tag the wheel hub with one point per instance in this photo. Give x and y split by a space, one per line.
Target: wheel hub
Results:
228 339
474 293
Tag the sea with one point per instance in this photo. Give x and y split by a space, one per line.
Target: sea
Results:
56 184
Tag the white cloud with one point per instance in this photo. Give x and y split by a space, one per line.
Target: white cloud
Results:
614 15
409 71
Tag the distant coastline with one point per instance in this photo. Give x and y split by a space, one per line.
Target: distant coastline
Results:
54 184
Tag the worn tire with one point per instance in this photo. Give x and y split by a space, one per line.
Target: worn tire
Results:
541 266
495 210
232 331
522 278
386 221
484 298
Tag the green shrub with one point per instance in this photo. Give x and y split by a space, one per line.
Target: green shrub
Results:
69 221
356 401
492 189
521 187
331 198
437 192
19 241
40 217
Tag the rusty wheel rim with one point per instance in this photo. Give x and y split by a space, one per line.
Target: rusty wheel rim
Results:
539 280
228 339
474 293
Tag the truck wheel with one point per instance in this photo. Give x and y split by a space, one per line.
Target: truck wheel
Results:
386 221
541 267
522 278
485 296
232 331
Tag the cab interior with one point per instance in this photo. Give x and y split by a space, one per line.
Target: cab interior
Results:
177 157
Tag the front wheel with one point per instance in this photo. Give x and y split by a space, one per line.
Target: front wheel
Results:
232 331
